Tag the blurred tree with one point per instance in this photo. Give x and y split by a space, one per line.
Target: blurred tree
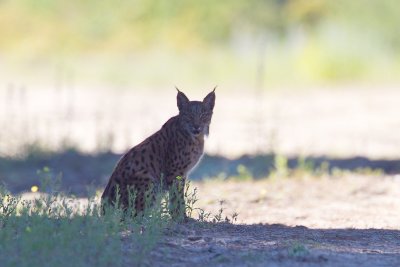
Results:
380 18
326 34
82 24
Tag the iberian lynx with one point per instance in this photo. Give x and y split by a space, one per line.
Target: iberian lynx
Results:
164 158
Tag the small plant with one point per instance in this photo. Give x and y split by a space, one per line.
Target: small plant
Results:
50 183
297 250
191 199
203 216
305 169
234 217
323 169
218 217
244 174
8 206
281 167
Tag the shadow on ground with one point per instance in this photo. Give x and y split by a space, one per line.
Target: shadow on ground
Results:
224 244
82 172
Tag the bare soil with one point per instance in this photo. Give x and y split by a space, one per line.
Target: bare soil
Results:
350 221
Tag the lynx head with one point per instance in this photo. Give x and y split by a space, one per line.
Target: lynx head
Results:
195 116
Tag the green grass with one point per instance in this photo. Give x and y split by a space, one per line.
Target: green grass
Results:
58 230
297 250
53 231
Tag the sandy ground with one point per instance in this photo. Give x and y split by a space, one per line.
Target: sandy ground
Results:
351 221
353 201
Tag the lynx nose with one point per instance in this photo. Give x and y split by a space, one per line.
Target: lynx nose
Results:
196 129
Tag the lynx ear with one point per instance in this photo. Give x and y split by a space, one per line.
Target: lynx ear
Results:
209 100
182 100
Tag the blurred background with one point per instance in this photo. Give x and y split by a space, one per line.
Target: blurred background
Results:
83 81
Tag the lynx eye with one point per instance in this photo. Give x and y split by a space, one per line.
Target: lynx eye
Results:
189 117
205 116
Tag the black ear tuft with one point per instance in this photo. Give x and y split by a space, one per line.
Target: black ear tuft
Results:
182 100
209 100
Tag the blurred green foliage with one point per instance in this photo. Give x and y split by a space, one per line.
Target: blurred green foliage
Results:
135 24
317 40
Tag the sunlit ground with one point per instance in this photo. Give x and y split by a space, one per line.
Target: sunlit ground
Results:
348 200
352 201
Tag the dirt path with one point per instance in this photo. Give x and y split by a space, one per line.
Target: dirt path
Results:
276 245
352 221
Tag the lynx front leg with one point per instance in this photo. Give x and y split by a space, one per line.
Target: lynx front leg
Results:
145 197
177 207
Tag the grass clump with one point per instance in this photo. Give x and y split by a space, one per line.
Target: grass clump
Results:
204 216
56 230
298 250
53 229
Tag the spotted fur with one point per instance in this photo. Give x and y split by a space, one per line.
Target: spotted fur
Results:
168 155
